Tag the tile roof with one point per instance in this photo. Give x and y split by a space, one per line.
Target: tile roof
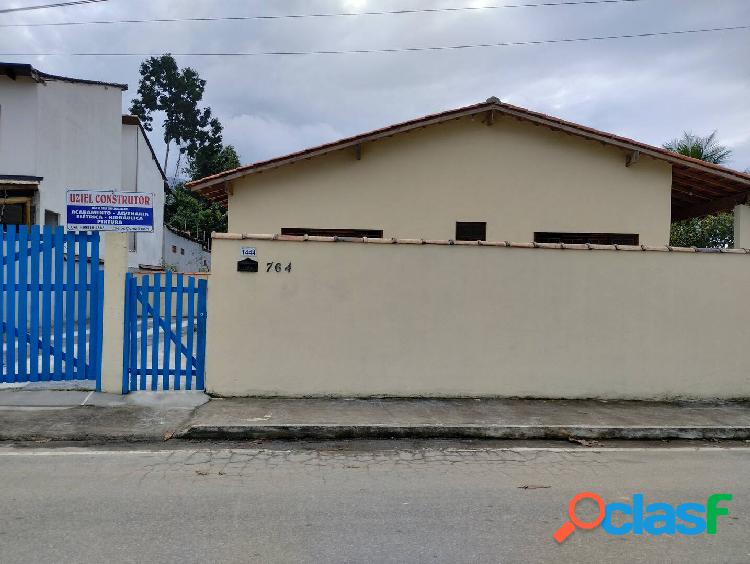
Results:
14 70
695 182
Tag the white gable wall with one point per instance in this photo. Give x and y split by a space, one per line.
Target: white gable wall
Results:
78 141
18 127
140 173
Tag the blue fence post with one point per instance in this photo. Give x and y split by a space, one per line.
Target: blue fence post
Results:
93 341
70 304
178 331
155 335
59 315
82 285
10 304
126 334
94 311
190 330
201 353
100 323
46 300
23 293
143 300
167 328
34 311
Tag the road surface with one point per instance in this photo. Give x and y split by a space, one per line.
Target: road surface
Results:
357 502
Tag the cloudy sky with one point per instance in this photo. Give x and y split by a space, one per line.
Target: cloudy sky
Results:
650 89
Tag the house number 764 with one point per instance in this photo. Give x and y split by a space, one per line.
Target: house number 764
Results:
277 266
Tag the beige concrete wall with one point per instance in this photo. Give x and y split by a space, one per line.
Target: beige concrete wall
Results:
741 226
517 177
357 319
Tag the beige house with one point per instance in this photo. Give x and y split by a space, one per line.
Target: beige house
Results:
491 171
484 251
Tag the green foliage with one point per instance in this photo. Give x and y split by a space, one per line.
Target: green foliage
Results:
209 161
701 148
184 211
709 231
177 93
712 230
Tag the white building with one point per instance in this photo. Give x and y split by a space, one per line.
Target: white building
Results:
141 172
184 253
58 134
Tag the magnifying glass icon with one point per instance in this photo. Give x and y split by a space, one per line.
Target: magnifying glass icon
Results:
569 526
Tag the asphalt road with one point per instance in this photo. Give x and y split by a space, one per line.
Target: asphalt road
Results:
367 502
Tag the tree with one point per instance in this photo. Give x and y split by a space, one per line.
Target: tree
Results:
208 161
702 148
175 92
716 230
184 211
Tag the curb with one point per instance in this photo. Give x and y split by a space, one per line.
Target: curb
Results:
520 432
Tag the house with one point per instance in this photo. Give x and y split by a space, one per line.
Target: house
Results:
491 171
484 251
59 133
183 252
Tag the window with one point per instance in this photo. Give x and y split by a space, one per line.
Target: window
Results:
583 238
17 210
182 251
471 231
51 218
174 249
371 233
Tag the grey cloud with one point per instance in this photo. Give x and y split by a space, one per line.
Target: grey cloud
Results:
649 89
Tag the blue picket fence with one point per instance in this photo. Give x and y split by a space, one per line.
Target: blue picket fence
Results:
165 333
51 305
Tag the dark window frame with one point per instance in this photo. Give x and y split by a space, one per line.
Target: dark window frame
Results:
322 232
584 238
471 231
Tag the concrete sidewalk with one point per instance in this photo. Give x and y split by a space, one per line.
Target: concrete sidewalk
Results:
250 418
34 414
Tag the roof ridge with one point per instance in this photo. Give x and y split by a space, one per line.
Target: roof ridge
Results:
460 112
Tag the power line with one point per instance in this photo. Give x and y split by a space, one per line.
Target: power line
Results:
390 50
325 15
45 6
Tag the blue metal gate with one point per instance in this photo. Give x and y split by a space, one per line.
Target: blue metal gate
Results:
51 305
165 333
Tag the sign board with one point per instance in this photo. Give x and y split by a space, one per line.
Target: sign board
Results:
249 252
90 210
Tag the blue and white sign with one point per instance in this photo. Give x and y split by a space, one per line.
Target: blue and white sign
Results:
89 210
249 252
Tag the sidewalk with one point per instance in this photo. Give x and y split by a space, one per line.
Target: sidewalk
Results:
36 414
249 418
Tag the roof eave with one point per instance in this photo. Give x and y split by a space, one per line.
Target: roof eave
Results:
506 109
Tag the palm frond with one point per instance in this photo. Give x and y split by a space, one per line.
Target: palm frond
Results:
702 148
